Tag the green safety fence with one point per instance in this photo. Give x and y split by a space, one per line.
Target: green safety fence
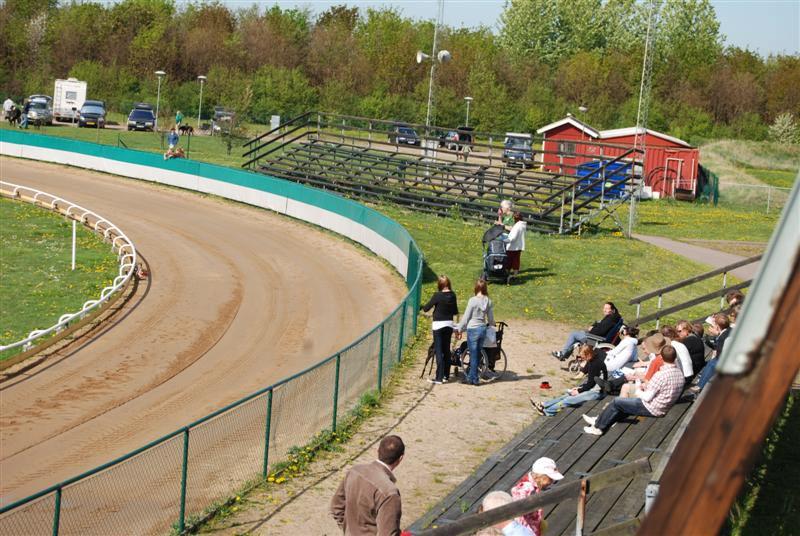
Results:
166 483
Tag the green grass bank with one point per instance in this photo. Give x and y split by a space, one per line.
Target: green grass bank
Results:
37 285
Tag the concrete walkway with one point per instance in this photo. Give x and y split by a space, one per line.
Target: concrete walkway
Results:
713 257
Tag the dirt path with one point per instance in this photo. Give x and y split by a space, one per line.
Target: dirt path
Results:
238 298
448 430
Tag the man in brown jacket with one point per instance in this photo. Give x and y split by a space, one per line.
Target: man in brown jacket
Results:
367 501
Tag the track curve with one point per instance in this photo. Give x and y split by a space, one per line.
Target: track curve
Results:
238 298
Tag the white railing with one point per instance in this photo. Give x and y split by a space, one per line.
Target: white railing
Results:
120 244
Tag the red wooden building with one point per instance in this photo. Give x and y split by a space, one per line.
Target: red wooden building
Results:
670 164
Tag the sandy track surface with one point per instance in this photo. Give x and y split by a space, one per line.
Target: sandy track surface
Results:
238 298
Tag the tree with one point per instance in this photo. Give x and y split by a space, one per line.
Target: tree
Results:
784 129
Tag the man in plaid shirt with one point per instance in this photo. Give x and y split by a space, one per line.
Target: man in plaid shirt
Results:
659 395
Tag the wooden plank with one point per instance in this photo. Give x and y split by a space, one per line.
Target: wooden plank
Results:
455 495
514 465
657 436
521 442
586 460
725 435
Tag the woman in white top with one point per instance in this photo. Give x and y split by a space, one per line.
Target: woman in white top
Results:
624 352
516 243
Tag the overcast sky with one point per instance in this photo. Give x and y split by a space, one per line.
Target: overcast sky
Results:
765 26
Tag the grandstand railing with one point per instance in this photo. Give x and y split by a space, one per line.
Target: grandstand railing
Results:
659 293
173 480
120 244
357 157
578 489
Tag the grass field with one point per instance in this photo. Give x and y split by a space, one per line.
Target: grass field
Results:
770 500
681 220
36 283
562 278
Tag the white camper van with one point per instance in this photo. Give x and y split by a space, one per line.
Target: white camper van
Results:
68 98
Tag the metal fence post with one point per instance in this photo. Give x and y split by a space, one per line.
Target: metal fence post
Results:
380 361
267 426
184 471
769 197
402 333
57 512
336 391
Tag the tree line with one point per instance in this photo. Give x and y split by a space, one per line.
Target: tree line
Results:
547 58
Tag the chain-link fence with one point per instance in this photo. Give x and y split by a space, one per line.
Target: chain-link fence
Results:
755 197
163 485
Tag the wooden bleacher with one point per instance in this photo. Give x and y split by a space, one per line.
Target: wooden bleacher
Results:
577 454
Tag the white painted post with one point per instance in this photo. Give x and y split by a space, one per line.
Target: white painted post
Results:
74 241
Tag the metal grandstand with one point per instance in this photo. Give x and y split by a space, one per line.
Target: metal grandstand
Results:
355 157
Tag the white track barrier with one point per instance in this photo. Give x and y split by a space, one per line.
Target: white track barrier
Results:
120 244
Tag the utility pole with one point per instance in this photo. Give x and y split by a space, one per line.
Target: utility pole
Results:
643 110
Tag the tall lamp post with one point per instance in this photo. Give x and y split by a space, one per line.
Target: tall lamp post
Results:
202 79
442 56
160 75
469 101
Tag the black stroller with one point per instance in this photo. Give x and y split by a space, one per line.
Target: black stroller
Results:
495 258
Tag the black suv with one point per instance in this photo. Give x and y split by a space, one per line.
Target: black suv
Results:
404 134
142 118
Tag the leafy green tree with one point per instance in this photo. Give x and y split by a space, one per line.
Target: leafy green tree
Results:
280 91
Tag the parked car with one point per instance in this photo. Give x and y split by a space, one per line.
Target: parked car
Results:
41 110
404 134
92 114
454 140
141 119
70 95
518 150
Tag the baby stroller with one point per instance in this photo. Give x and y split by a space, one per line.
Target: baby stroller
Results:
495 258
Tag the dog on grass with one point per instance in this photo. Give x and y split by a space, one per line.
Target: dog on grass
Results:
13 116
186 129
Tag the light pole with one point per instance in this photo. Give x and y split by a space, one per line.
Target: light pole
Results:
160 75
202 79
442 56
469 100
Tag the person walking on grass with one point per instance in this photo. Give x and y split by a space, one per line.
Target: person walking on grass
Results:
516 244
367 501
178 119
478 315
445 308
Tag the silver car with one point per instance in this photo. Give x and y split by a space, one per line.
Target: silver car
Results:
40 111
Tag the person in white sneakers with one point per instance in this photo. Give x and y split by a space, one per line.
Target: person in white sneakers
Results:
661 393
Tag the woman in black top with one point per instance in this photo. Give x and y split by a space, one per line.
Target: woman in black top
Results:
594 366
445 307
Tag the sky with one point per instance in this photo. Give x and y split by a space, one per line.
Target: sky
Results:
763 26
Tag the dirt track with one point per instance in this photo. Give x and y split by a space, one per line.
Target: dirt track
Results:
237 299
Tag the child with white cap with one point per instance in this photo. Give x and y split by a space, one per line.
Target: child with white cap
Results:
542 475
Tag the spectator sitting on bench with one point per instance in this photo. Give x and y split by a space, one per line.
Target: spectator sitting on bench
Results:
601 328
543 474
684 358
509 527
693 343
594 366
657 398
623 353
721 328
641 370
